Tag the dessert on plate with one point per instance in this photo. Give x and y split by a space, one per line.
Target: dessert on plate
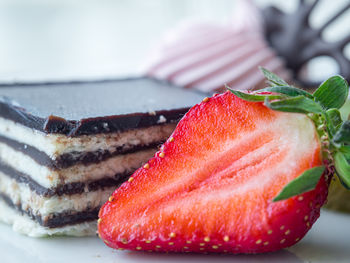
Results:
64 147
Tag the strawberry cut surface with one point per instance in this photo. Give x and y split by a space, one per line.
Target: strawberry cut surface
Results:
211 185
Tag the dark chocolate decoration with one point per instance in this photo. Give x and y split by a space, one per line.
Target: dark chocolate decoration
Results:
291 35
74 158
66 189
55 220
92 107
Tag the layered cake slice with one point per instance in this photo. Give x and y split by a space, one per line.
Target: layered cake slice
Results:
64 147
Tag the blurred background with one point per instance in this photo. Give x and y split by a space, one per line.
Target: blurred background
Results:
89 39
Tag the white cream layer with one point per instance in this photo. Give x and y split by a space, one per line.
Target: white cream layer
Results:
56 144
20 193
24 225
78 173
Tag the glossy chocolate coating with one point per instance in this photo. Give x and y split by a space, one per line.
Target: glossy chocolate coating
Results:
78 108
291 35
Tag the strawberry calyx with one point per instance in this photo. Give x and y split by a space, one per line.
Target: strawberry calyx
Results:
322 107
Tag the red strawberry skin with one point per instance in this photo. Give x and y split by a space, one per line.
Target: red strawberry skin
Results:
210 187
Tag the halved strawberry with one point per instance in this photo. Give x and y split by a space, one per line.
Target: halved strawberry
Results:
211 187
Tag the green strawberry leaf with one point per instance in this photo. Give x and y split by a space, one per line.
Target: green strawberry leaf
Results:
332 93
288 90
272 78
322 108
254 97
342 167
307 181
343 134
345 150
299 104
333 120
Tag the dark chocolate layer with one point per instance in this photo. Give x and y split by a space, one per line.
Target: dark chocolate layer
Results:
55 220
73 158
66 189
81 108
294 38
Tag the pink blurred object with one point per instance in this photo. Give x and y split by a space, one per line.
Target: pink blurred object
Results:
206 56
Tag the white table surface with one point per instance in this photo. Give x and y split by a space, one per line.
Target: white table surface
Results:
327 241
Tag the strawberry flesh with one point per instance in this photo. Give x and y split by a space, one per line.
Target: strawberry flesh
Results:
210 187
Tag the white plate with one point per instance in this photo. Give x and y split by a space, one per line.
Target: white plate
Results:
328 241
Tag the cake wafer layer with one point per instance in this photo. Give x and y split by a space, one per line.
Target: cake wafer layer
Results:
62 156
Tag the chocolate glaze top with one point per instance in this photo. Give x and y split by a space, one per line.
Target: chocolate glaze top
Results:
82 108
